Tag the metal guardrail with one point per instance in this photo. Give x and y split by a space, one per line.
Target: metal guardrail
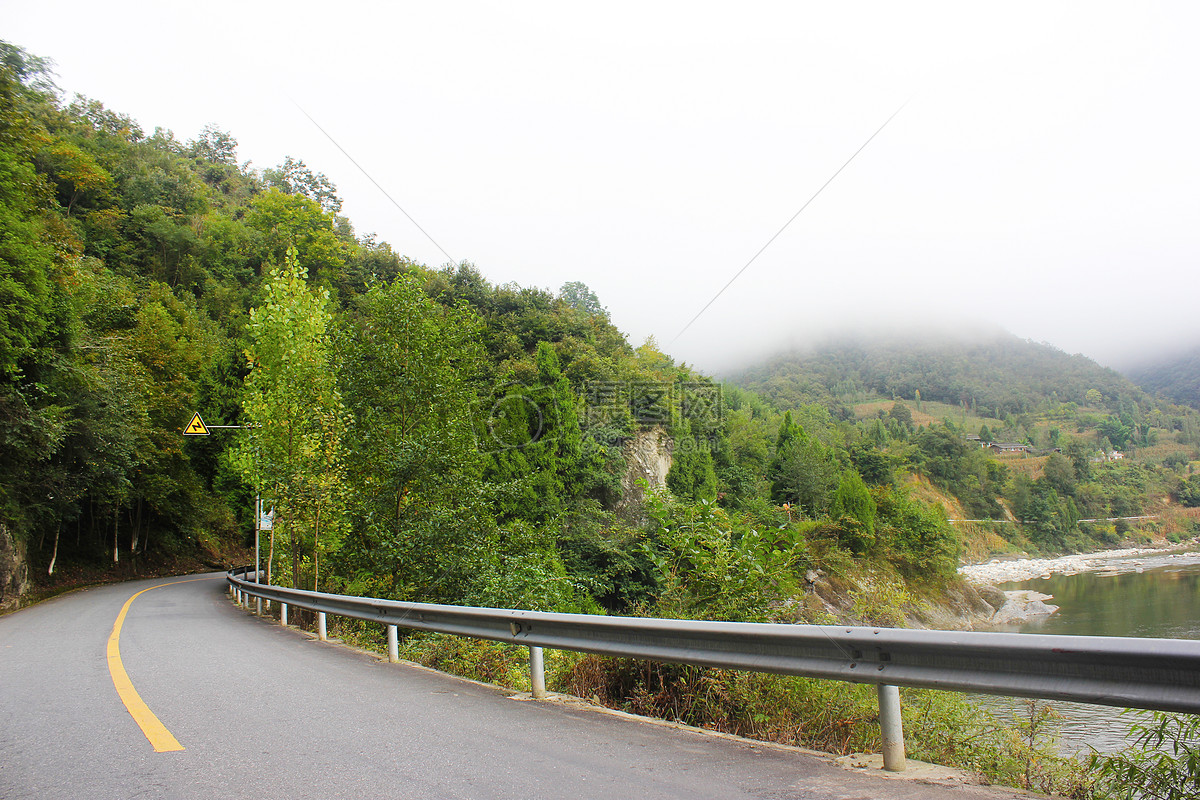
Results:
1162 674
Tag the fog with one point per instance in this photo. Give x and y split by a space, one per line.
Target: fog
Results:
1041 175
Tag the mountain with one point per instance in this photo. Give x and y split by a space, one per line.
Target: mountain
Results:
994 373
1176 378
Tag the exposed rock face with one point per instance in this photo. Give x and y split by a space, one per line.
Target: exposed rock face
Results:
647 456
1022 605
961 607
14 572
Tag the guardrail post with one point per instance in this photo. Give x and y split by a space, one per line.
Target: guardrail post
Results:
258 602
393 644
537 673
283 614
321 627
892 728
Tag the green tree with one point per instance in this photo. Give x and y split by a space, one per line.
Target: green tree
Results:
853 500
803 471
294 220
414 469
692 475
942 456
1189 491
536 442
579 297
27 250
294 177
216 145
901 414
1059 473
878 434
1116 431
295 451
713 565
921 542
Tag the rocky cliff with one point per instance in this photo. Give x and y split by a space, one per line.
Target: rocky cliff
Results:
647 457
14 571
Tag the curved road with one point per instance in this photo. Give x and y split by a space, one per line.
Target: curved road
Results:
264 712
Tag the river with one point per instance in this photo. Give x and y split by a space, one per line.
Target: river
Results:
1147 595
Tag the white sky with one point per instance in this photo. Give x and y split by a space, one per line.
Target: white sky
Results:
1043 176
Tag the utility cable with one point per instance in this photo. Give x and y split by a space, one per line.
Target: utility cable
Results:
372 180
789 222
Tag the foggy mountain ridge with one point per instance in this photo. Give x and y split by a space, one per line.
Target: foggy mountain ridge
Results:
990 370
1175 377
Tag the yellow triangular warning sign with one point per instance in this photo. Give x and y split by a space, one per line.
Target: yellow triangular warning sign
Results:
196 427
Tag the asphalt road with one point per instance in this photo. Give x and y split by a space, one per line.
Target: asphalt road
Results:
264 712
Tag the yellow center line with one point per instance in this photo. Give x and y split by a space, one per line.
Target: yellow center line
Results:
156 732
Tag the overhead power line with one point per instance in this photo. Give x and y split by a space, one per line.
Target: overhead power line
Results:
372 180
753 258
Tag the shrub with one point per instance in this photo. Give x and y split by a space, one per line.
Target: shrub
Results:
1162 764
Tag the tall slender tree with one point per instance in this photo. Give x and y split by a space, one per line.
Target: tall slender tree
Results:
294 450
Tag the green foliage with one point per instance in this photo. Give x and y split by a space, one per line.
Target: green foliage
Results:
914 536
1116 431
852 500
804 471
476 659
295 449
413 467
27 252
536 441
290 177
1162 764
1189 491
713 565
522 568
1059 474
942 455
579 297
692 475
608 559
295 221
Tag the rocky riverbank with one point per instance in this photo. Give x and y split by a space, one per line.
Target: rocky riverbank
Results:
1021 605
1023 569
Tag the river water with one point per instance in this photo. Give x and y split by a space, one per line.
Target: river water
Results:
1149 595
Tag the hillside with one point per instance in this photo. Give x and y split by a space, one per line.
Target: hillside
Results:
1085 442
415 428
994 375
421 434
1176 378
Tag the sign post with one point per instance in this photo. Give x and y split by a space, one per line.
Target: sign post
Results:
197 427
